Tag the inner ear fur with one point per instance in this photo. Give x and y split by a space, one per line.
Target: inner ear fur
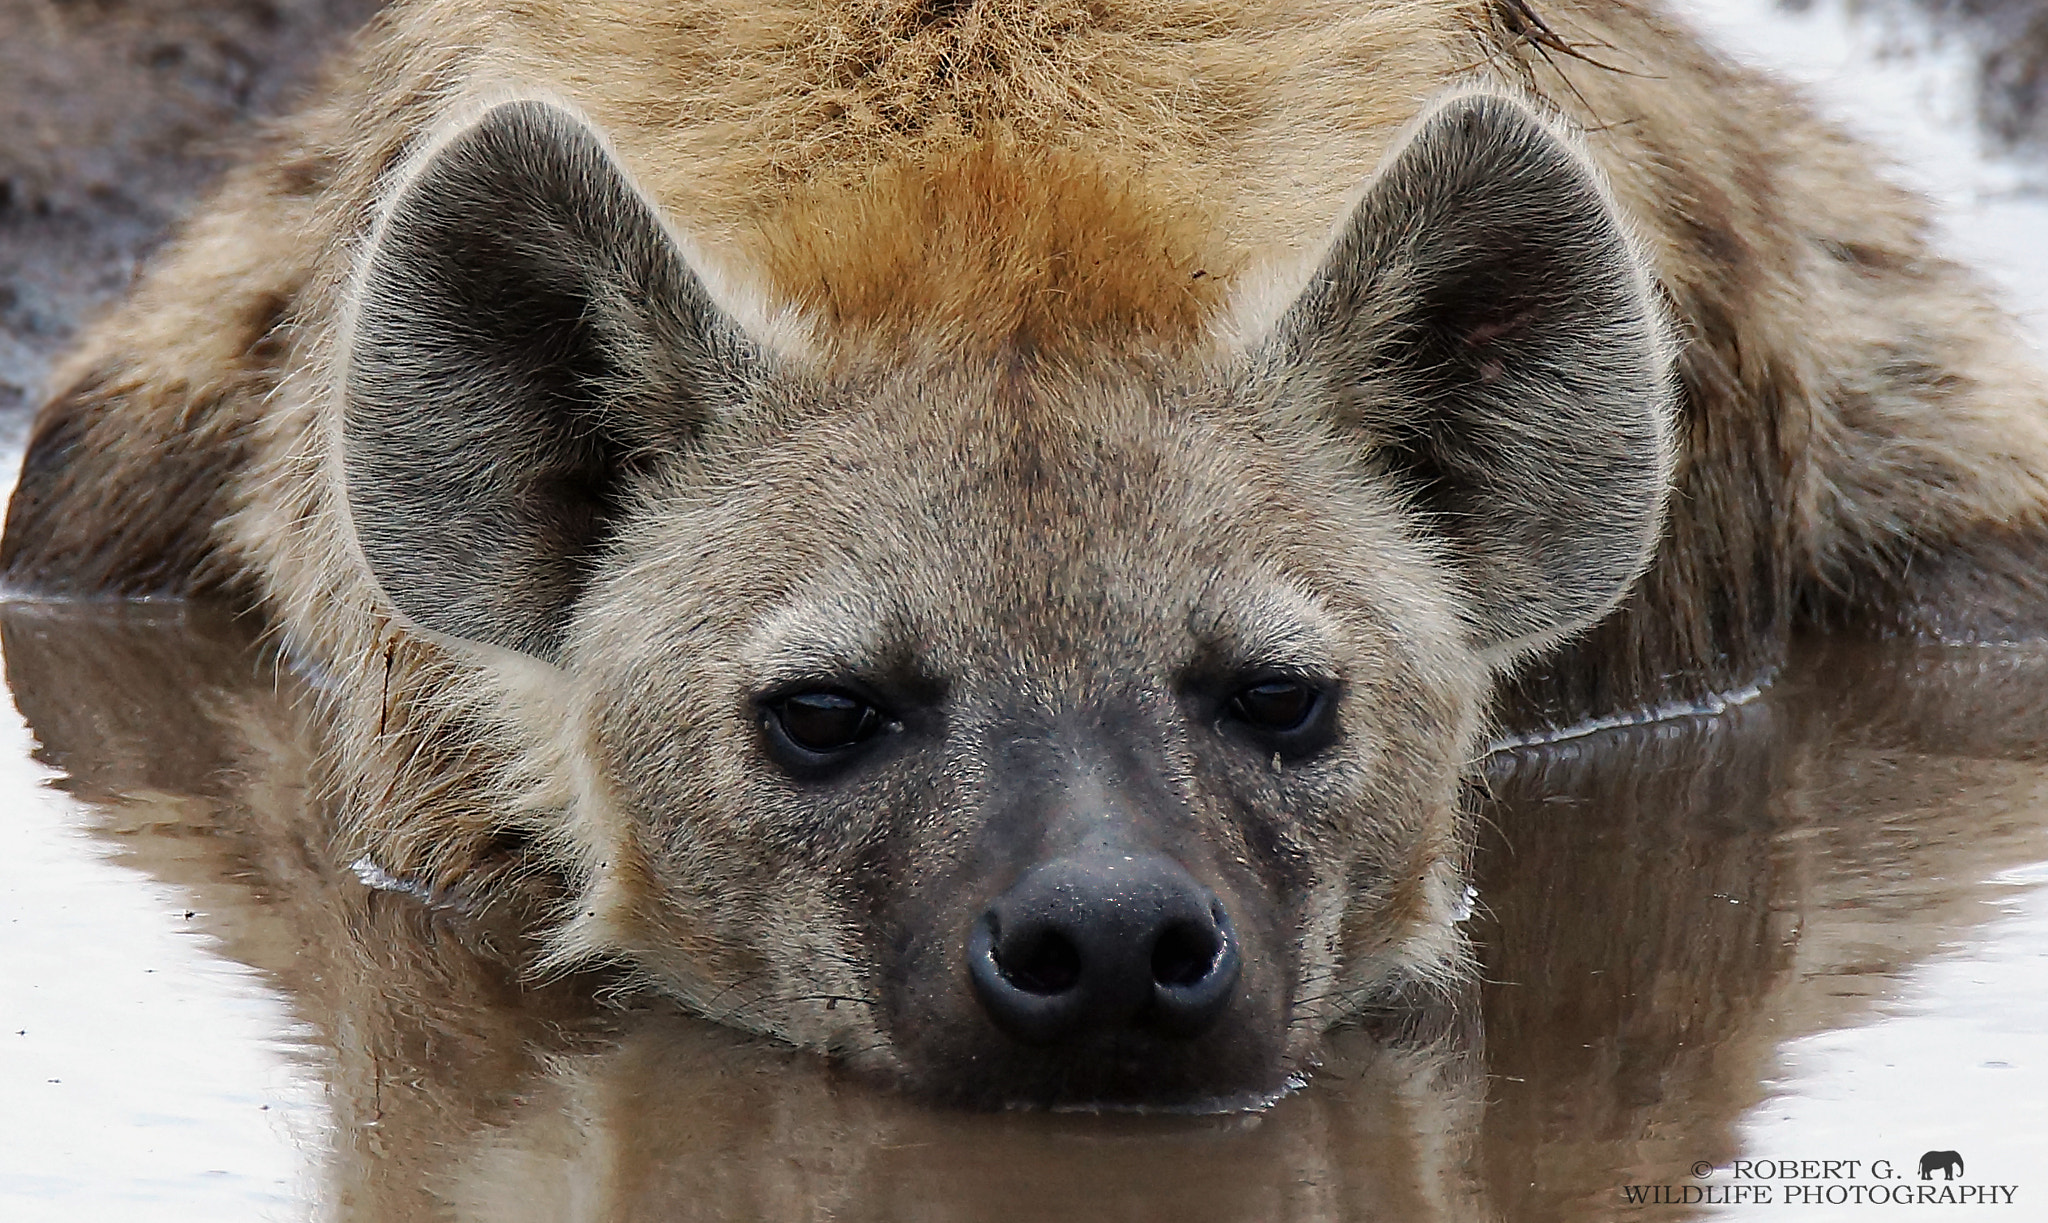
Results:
526 337
1484 330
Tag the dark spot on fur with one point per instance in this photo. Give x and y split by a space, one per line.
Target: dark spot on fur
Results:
505 845
1983 584
1711 231
393 152
140 539
1864 257
51 445
304 176
261 323
1915 369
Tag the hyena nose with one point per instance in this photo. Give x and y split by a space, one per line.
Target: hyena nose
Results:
1104 941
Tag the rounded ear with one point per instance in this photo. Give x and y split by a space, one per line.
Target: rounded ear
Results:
1484 330
526 337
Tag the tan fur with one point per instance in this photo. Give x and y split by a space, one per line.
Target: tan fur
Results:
1076 254
883 188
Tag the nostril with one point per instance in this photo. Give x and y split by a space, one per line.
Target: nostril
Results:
1029 979
1047 963
1195 967
1184 954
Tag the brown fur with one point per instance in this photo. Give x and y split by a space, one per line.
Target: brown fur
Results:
1078 255
1013 230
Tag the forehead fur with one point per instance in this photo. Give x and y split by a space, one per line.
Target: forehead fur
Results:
1027 516
997 244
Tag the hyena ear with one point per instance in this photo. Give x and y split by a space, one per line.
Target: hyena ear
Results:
1486 331
526 338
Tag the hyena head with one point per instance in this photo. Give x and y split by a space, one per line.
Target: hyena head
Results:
1077 728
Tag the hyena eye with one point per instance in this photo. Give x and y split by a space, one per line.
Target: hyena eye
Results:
821 724
1278 705
1290 717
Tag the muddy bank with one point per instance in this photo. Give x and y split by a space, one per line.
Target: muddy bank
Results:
115 115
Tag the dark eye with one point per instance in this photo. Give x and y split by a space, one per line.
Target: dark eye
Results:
825 722
1287 715
1277 705
814 732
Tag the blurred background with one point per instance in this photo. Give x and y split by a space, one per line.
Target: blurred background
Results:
115 115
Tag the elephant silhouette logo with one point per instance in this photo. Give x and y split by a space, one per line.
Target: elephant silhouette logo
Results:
1949 1162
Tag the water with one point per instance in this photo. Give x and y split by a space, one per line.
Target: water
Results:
152 1068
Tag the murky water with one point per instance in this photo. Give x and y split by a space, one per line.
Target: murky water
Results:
1809 928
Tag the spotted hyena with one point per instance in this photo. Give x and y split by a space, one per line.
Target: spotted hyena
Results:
984 537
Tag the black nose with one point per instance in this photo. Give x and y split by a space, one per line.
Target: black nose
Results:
1102 941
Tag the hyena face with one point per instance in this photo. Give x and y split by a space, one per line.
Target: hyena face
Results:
1077 729
1030 738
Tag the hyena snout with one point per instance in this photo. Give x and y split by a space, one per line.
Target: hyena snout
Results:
1104 941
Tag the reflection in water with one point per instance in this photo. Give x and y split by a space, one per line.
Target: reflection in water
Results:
1661 908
